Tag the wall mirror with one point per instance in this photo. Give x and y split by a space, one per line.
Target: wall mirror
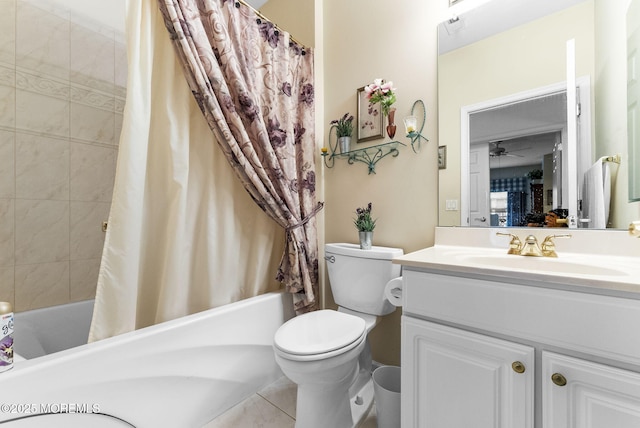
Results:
503 50
633 98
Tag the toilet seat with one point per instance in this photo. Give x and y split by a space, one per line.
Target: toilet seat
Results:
319 335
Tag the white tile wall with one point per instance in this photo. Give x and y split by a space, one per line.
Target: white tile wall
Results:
7 164
62 93
8 31
41 167
42 41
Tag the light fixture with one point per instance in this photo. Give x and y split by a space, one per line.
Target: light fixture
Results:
411 126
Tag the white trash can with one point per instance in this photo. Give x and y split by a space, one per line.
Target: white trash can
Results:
386 389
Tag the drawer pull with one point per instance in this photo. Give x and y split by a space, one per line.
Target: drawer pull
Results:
558 379
518 367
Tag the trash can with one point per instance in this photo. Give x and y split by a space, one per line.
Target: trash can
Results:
386 390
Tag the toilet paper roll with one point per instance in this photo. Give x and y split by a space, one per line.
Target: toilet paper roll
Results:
393 291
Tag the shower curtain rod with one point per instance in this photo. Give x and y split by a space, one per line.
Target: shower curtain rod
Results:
257 12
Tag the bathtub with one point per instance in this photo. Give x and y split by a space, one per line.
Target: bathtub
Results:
182 373
44 331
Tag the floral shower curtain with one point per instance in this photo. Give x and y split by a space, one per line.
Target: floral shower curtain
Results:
254 86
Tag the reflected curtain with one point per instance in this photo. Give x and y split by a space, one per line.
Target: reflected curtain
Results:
254 85
183 234
516 198
516 208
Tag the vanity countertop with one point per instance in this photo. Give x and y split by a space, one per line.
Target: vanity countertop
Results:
597 272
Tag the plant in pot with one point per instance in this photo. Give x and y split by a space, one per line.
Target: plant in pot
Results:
365 225
344 130
534 175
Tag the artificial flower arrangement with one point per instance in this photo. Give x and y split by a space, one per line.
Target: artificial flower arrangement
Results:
363 220
344 125
381 92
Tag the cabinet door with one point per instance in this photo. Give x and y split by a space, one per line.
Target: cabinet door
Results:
594 396
452 378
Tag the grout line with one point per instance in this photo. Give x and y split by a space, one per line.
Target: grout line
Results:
275 405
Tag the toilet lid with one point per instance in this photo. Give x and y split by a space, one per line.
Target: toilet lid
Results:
319 332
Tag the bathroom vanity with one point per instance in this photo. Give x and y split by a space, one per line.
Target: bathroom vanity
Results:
497 340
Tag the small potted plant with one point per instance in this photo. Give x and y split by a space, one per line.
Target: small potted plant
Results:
535 175
344 130
365 225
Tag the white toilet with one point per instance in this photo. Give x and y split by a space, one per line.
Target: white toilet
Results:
326 353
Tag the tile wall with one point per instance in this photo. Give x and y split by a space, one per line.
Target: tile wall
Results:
62 92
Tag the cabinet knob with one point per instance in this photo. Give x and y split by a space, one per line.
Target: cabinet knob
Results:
518 367
558 379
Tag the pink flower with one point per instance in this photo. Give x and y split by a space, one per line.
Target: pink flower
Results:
386 87
381 92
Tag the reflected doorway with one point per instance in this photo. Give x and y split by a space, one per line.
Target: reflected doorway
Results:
524 139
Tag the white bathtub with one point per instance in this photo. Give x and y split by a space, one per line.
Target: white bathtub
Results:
45 331
181 373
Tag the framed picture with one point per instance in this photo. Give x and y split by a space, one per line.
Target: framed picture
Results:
442 157
369 119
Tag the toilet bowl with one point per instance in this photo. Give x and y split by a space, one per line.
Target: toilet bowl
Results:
326 353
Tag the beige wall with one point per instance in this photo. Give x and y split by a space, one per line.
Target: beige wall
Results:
364 40
355 42
611 113
535 53
294 16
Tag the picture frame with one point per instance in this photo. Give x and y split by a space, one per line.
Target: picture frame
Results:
369 124
442 157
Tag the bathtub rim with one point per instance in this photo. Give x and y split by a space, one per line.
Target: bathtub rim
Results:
124 338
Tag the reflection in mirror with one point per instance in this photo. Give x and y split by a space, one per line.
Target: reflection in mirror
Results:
529 52
633 98
521 145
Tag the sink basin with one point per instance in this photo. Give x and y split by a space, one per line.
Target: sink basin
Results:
602 262
539 264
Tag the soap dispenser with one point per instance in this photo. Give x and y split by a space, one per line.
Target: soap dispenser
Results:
6 336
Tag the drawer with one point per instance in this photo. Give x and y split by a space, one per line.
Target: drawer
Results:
599 325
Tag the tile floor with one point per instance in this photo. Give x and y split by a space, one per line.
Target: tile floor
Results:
272 407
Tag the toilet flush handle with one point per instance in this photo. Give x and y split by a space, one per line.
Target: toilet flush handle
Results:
330 259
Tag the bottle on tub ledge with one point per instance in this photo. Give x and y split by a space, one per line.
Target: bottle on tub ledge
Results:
6 336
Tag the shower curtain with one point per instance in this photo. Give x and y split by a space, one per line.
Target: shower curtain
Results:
255 86
183 234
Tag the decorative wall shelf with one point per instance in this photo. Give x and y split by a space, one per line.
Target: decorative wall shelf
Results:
372 154
367 155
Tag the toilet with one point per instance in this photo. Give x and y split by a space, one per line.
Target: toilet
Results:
326 352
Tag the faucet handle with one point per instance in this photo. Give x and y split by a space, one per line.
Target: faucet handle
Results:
515 245
548 247
634 229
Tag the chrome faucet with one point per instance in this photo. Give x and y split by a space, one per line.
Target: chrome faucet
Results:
530 246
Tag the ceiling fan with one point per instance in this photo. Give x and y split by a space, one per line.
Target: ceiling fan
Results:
498 151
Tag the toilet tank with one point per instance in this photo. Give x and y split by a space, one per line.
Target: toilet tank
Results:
358 277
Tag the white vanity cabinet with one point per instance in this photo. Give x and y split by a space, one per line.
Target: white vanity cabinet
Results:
463 379
465 339
594 395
